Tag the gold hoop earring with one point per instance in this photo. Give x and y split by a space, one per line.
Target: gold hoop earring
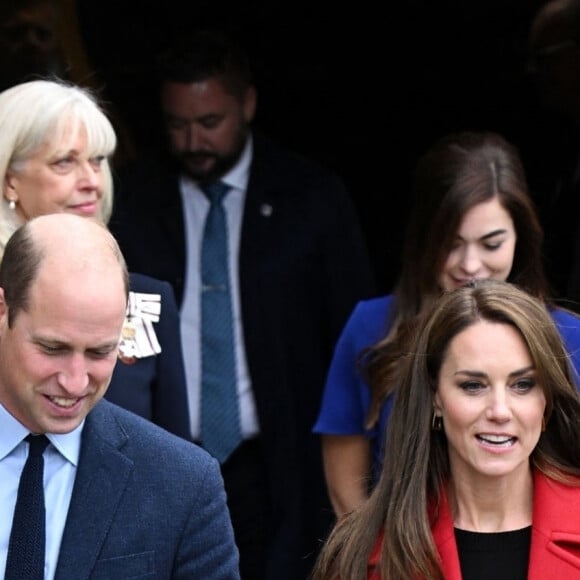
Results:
437 423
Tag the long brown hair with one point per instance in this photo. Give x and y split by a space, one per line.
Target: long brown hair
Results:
416 465
459 172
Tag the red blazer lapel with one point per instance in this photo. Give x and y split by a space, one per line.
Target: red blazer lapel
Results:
444 537
555 549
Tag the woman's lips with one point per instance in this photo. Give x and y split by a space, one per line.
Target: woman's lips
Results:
88 208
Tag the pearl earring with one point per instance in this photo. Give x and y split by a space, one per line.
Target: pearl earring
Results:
12 204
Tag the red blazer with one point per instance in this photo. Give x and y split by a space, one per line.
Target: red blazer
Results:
555 547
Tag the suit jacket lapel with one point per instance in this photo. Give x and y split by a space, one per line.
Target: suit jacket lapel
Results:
101 479
160 250
257 223
171 216
259 206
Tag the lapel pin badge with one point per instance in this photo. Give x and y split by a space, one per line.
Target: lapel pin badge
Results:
266 209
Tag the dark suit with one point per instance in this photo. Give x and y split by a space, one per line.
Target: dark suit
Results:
303 266
154 386
145 504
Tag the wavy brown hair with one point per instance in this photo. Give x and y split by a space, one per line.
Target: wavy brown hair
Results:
459 172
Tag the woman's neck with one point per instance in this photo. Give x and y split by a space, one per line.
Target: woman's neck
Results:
493 504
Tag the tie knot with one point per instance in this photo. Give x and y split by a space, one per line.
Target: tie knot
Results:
215 190
37 444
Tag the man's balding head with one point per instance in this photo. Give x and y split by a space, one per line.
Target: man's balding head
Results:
60 246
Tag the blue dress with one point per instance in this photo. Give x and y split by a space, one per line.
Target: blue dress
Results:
347 396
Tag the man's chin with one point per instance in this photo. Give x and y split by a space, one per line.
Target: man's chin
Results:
208 168
201 172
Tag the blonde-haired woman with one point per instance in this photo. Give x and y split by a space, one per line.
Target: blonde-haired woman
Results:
55 147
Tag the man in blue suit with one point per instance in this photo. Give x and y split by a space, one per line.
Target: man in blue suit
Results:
124 498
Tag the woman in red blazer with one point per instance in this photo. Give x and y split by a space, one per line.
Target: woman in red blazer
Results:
481 476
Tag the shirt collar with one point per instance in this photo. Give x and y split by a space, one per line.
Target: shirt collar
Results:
13 432
238 176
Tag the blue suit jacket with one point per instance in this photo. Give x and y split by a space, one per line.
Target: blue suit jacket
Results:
145 504
154 386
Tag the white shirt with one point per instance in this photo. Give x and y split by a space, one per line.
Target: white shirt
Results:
195 209
60 466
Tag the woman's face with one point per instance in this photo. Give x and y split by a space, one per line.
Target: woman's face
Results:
483 247
57 178
490 401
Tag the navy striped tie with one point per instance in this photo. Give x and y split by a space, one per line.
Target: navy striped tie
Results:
220 415
26 548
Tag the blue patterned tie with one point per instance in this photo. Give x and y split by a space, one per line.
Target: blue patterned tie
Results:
25 560
220 415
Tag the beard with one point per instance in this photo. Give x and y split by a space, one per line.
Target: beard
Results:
205 166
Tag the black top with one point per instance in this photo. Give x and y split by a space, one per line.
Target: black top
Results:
501 555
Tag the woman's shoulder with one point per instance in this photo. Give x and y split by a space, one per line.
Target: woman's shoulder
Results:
568 325
373 310
563 315
369 321
373 570
146 284
566 483
556 501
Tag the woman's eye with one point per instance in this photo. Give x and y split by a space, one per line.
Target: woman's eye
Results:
524 385
471 386
493 246
97 161
64 163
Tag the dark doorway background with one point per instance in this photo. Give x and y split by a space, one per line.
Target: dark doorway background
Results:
364 88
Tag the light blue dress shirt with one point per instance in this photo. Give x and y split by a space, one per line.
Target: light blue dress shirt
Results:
60 465
195 210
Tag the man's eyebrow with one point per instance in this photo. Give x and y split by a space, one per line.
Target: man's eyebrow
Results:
56 342
48 340
105 346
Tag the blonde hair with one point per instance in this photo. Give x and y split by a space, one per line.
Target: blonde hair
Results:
41 111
